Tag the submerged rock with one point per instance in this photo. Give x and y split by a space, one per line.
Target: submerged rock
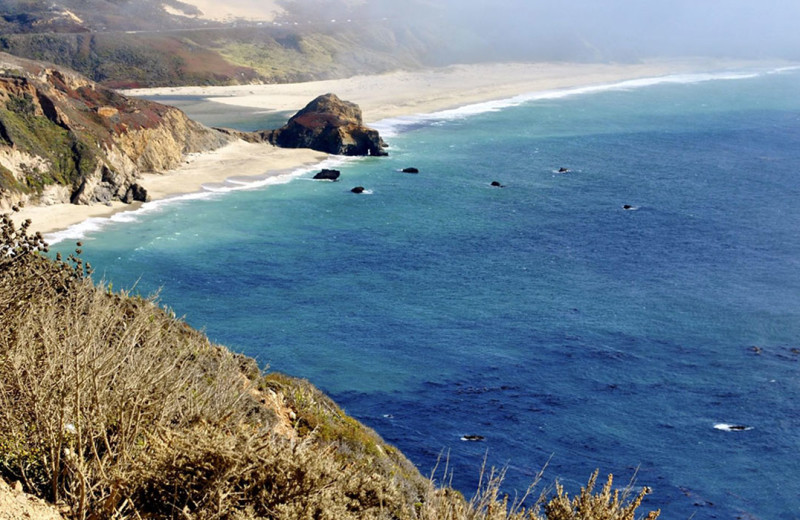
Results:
358 189
411 170
497 184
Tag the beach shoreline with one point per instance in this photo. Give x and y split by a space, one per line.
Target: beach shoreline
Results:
381 97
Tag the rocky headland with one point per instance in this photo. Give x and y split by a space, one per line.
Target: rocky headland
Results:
66 139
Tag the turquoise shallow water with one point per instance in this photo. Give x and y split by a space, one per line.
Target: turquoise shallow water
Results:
542 316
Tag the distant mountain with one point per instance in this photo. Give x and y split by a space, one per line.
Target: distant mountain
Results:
139 43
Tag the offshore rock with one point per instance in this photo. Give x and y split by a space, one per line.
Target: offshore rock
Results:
330 125
327 175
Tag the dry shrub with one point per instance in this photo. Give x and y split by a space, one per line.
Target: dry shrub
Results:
262 476
607 504
112 407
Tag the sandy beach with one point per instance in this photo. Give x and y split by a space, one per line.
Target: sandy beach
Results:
379 96
424 91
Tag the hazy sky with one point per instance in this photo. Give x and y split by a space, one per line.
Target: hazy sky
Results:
609 28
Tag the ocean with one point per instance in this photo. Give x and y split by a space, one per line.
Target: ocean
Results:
638 314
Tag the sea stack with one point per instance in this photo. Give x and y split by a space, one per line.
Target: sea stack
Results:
329 124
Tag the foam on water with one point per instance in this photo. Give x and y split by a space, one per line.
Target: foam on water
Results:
85 229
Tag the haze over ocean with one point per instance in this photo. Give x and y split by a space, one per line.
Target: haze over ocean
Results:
542 316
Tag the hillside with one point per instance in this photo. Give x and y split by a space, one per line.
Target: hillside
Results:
148 43
64 138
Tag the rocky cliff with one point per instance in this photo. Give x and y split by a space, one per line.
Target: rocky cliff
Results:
64 138
330 125
141 43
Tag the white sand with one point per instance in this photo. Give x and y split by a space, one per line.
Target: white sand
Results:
379 96
238 159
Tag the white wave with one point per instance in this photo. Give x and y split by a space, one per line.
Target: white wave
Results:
392 126
84 229
76 232
781 70
252 183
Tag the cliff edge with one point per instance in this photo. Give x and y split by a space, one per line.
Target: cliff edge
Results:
111 408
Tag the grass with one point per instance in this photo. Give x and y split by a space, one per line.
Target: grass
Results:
115 409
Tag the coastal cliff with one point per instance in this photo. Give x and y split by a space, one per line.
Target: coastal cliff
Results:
65 139
113 408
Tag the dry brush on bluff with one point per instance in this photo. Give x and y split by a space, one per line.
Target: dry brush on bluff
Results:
114 408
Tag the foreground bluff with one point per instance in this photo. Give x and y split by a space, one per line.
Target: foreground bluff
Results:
64 138
330 125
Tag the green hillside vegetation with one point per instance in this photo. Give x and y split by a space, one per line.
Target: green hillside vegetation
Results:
114 408
70 156
219 56
129 43
129 60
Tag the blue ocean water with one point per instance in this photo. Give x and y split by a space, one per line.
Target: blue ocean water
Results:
542 316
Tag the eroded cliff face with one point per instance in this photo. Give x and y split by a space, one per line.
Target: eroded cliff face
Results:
64 138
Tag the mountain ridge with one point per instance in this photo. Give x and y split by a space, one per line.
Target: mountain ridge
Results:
148 43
